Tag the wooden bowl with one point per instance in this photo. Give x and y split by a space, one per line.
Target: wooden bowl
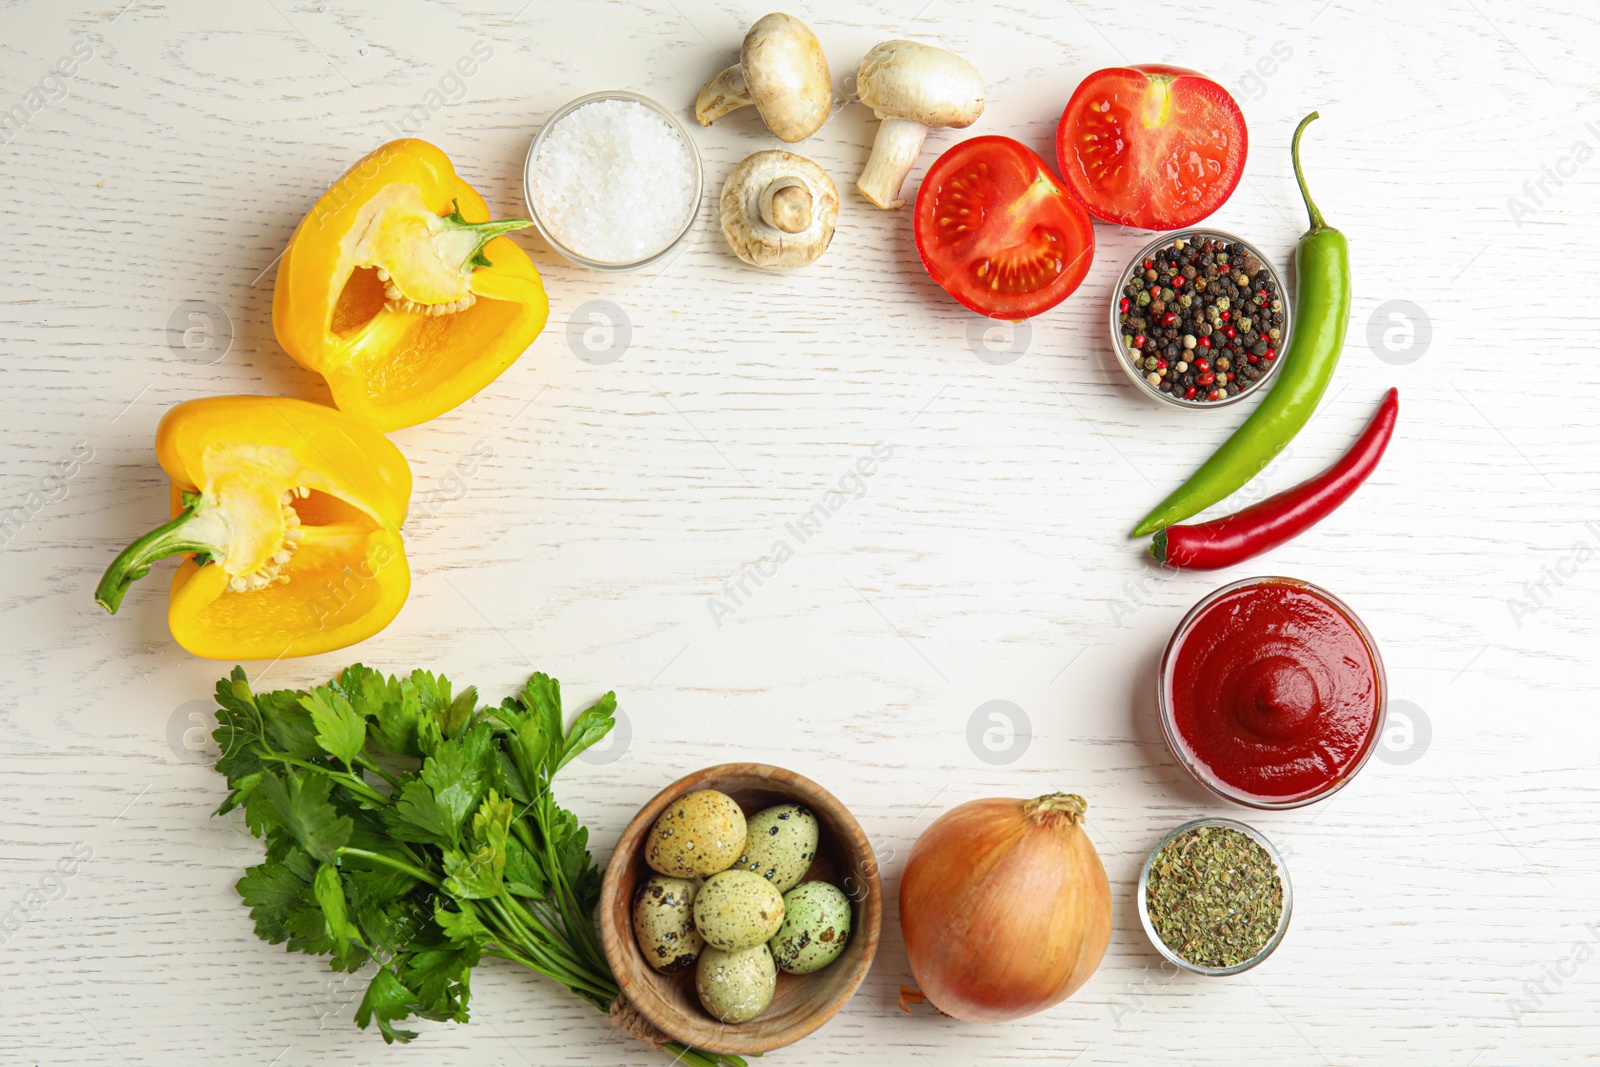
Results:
802 1003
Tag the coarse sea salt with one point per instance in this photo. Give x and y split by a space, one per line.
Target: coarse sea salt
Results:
613 181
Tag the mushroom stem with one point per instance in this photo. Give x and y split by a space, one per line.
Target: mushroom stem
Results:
722 94
786 205
894 151
778 210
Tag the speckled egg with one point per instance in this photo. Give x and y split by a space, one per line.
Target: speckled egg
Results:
780 844
663 923
816 925
736 986
737 909
700 834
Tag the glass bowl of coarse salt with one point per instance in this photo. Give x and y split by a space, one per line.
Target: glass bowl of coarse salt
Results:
613 181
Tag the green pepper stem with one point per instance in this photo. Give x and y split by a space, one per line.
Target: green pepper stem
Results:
132 563
1317 225
466 239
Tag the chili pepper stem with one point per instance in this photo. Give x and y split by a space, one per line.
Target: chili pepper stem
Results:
188 531
462 242
1158 545
1317 224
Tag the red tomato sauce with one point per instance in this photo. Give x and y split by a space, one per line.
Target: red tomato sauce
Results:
1275 691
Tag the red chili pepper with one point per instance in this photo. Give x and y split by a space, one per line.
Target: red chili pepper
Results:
1261 527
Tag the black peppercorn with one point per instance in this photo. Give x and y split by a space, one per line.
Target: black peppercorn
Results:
1176 301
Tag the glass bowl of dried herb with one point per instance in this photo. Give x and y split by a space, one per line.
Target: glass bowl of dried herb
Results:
1214 897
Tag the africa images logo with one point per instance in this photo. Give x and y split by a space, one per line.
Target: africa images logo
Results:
1537 594
1538 192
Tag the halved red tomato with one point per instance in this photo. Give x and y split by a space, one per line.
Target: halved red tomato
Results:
1151 146
997 229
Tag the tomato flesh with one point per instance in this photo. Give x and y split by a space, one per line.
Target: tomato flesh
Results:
999 232
1151 146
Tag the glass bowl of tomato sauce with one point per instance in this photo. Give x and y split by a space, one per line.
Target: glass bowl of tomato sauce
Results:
1272 693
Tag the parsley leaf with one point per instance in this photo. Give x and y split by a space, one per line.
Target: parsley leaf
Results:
522 872
237 734
417 817
462 927
341 731
287 726
387 1000
300 806
459 773
591 726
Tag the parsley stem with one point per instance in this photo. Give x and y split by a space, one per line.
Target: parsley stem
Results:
377 769
557 967
344 778
583 985
580 934
692 1056
388 861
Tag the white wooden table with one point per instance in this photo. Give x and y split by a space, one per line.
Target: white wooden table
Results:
581 513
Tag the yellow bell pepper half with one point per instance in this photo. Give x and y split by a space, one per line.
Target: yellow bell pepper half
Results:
291 513
405 307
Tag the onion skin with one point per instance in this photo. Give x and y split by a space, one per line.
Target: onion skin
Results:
1005 907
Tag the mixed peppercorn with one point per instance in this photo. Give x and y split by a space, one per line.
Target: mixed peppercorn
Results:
1202 320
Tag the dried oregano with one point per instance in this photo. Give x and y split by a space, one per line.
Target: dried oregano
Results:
1214 896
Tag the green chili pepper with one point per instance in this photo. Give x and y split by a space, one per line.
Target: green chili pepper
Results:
1322 310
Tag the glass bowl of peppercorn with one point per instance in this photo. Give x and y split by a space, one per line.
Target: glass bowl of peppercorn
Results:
1199 318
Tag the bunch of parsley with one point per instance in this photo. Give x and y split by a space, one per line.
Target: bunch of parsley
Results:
409 833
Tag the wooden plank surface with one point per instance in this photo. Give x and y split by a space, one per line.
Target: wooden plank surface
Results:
579 516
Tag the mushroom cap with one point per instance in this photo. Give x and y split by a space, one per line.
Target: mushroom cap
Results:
910 80
786 74
756 240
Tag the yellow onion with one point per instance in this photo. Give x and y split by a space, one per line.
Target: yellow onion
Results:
1005 907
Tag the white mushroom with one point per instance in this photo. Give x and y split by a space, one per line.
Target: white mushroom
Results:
782 71
778 210
912 87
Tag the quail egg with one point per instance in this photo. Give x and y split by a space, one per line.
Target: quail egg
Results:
736 986
780 844
737 909
663 922
700 833
816 925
